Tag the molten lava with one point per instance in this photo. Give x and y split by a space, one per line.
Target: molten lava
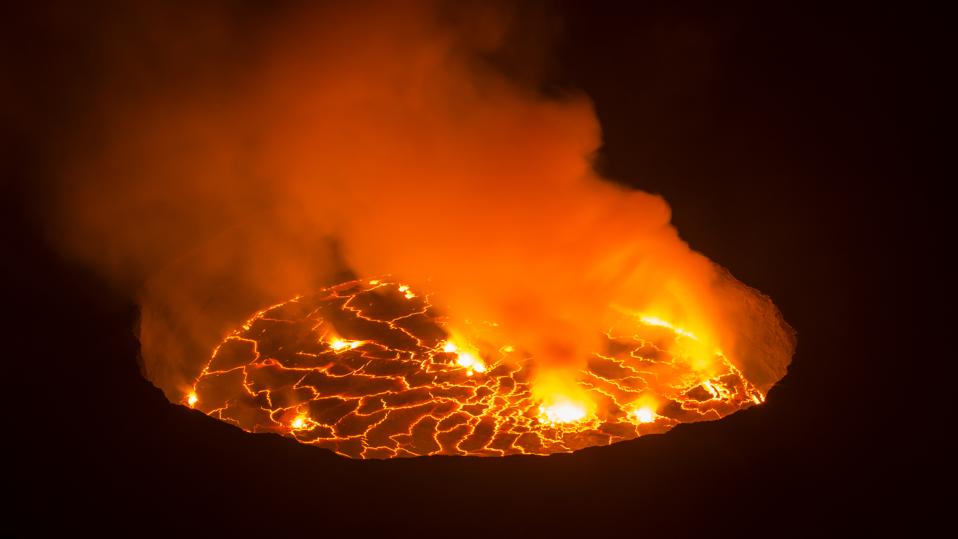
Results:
370 369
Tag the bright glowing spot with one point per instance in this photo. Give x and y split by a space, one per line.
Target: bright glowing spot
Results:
192 399
404 288
299 422
471 362
374 282
409 294
565 412
644 415
449 347
465 359
711 389
508 349
656 321
340 344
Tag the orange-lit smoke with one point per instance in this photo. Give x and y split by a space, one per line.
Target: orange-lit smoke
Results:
239 160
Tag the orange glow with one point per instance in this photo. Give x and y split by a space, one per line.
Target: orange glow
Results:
192 399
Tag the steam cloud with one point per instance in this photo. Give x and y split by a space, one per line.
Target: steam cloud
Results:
237 160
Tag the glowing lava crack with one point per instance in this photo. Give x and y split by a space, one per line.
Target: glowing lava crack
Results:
368 369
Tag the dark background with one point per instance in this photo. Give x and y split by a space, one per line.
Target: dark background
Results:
786 139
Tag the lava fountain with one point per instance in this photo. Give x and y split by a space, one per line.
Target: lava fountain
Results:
370 369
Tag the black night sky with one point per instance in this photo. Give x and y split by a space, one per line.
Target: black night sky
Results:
784 137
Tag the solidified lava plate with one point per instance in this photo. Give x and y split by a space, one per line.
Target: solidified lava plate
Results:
369 369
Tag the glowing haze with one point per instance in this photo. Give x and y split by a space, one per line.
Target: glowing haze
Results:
238 160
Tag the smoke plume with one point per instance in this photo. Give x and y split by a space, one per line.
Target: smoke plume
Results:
236 159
